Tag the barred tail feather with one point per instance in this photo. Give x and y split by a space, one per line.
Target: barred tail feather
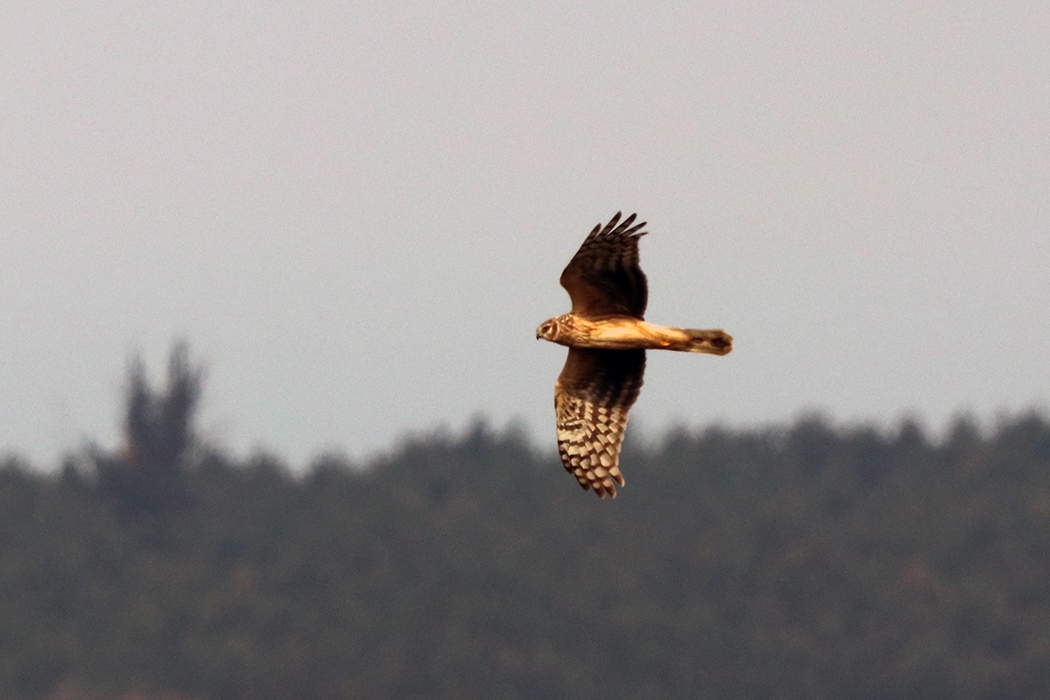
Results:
716 342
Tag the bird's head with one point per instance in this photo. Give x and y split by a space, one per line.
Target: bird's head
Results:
548 330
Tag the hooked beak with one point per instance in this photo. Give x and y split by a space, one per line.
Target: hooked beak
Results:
538 334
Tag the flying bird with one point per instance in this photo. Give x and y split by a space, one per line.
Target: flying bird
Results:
607 337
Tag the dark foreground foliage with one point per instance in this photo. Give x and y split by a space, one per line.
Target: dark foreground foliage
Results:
808 563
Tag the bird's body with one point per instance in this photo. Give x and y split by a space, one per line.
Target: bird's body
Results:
607 338
627 333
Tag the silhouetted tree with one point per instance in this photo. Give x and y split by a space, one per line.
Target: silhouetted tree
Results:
148 475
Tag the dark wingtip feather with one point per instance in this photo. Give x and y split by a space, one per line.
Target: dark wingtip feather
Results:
609 226
627 222
635 228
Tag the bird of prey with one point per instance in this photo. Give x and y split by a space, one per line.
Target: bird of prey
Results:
607 339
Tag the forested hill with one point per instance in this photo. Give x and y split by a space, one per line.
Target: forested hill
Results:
809 562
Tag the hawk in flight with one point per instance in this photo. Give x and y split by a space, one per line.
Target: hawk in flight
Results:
607 339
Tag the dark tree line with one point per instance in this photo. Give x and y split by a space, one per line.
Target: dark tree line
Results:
811 561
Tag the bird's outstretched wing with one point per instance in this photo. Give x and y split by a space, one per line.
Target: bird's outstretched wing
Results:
604 278
592 397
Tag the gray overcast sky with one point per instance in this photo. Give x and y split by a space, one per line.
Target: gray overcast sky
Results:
356 213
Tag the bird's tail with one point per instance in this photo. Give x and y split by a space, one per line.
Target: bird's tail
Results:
716 342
